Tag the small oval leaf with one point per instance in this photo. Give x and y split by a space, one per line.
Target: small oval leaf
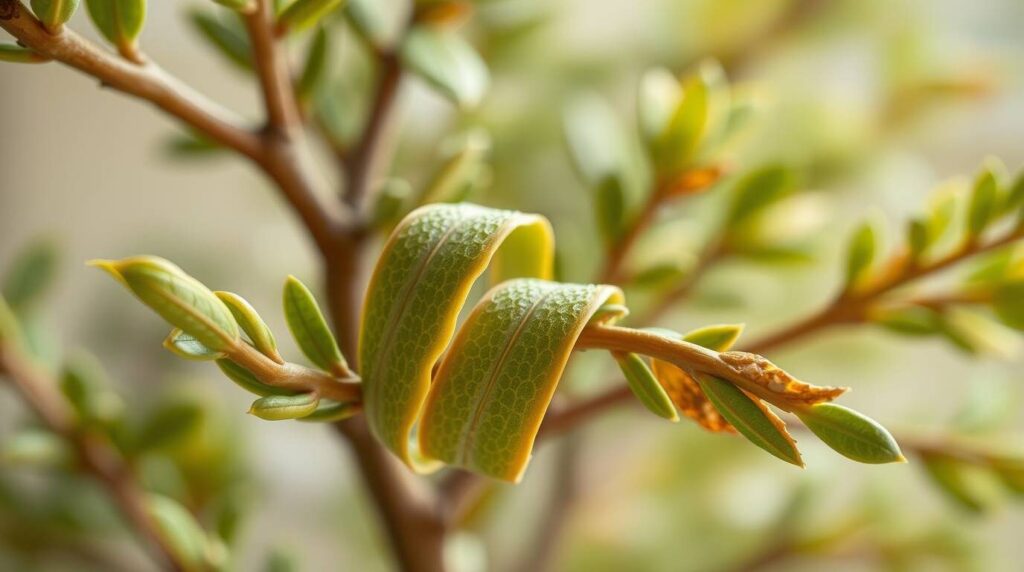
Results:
310 329
120 21
179 531
448 63
851 434
282 407
54 13
252 324
752 419
186 346
645 386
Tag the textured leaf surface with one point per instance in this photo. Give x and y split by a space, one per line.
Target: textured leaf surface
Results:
491 391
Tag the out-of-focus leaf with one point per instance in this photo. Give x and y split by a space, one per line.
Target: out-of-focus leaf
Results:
302 14
659 275
759 189
977 333
186 346
192 146
179 530
851 434
310 329
657 101
391 202
1015 196
15 54
85 385
278 560
167 425
1010 470
120 21
54 13
252 324
10 331
31 275
177 297
282 407
1008 302
315 67
971 487
448 62
247 381
369 20
751 418
984 203
226 35
35 448
645 386
595 139
911 320
860 254
461 165
610 207
700 115
236 5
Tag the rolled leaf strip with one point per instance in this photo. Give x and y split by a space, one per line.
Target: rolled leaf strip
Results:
507 358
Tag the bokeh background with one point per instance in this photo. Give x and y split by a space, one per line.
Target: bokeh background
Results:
874 101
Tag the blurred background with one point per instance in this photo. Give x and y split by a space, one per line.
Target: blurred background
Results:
874 103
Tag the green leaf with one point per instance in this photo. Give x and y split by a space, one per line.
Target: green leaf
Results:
753 420
179 530
969 486
282 407
247 381
314 71
1008 303
700 116
252 324
860 254
54 13
911 321
168 425
719 337
459 170
120 21
226 36
390 202
10 331
918 238
85 385
759 189
1015 197
192 146
1010 470
645 386
16 54
177 297
595 139
851 434
329 411
610 207
185 346
448 63
984 203
310 329
659 275
369 20
36 448
302 14
31 276
658 98
236 5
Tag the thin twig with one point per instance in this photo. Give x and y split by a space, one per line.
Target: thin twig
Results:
845 309
96 455
272 70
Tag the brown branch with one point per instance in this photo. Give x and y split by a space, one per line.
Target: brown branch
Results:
845 309
558 509
150 83
272 70
368 155
96 456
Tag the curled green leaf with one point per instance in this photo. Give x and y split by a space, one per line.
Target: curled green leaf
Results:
851 434
176 297
645 386
283 407
310 329
751 418
186 346
252 324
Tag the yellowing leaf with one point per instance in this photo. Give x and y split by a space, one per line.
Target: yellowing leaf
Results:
688 397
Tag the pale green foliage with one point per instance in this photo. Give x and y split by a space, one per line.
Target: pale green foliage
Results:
120 21
448 63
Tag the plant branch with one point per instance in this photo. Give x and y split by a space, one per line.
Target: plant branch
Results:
845 309
150 83
96 456
272 70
